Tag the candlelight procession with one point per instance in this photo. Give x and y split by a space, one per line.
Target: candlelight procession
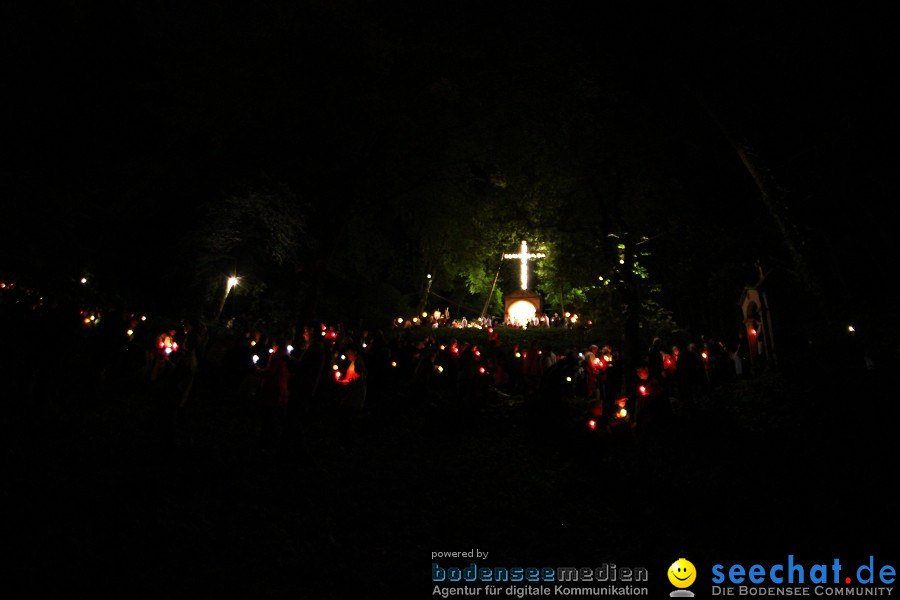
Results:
295 294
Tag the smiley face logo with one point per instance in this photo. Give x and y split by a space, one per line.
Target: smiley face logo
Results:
682 573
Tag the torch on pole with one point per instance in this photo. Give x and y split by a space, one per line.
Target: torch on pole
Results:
232 281
427 292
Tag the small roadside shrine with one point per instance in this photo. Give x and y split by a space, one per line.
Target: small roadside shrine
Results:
522 306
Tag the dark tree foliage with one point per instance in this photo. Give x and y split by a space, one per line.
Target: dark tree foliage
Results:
432 140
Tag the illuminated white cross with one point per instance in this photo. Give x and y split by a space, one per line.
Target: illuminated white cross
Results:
524 255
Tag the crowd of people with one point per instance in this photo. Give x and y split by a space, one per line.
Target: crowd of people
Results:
320 371
443 318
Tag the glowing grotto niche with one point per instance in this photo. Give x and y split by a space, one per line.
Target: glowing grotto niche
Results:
521 312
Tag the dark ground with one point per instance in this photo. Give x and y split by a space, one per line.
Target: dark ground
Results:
102 496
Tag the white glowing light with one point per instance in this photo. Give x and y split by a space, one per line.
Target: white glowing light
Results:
255 358
523 255
623 413
232 281
130 332
84 280
521 312
271 350
290 348
428 276
851 329
343 357
143 318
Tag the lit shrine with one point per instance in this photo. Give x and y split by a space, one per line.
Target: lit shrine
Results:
522 306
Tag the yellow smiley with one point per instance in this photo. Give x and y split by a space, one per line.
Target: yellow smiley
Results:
682 573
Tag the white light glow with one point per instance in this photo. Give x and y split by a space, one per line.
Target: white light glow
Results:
521 312
523 255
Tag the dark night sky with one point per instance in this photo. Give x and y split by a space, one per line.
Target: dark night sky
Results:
121 121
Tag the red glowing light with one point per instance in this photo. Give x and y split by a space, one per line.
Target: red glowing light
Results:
351 375
482 370
337 375
643 390
621 402
592 424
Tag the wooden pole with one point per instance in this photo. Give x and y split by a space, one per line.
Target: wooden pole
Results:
490 295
